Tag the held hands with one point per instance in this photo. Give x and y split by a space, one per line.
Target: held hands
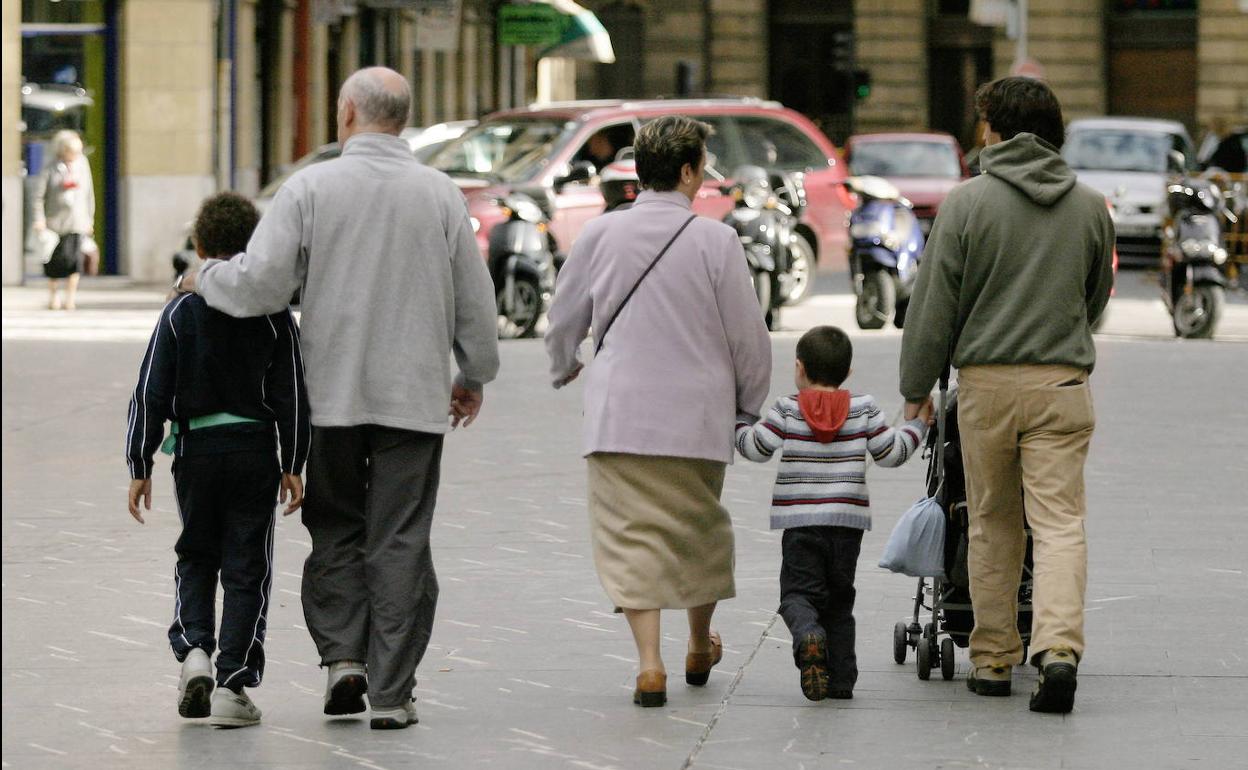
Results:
140 489
921 410
465 405
292 484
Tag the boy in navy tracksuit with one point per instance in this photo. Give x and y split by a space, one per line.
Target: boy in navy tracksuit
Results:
234 394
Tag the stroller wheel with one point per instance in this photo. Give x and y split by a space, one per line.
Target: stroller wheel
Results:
946 659
923 657
901 641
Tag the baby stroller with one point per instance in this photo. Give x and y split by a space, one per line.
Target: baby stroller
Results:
948 599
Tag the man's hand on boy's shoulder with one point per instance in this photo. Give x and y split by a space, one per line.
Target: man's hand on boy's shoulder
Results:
140 489
292 485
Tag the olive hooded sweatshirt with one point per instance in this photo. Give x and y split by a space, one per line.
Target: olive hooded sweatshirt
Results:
1018 267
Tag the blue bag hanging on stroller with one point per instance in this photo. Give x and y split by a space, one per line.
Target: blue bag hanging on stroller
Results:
917 545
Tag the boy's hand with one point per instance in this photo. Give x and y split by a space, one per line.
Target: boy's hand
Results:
140 489
914 409
292 484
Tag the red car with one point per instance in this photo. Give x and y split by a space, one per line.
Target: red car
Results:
555 152
925 167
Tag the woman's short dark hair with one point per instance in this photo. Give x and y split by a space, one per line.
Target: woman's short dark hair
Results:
664 146
1016 104
224 225
826 353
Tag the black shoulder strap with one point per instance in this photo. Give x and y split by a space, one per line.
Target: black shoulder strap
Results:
602 337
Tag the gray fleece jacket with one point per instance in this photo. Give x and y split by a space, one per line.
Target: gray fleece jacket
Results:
393 283
1018 267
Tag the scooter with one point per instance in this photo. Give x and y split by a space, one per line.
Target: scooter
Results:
1194 255
764 223
522 266
886 244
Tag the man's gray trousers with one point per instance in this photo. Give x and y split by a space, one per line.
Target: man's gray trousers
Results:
369 589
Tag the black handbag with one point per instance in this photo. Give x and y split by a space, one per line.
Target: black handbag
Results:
66 258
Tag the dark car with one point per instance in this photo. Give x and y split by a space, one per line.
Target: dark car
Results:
555 153
924 167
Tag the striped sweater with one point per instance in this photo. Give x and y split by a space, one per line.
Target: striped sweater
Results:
825 484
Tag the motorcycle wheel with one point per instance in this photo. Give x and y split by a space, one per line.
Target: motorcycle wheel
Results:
1197 312
877 302
521 322
802 270
762 290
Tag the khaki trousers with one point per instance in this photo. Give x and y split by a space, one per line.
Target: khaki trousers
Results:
1025 433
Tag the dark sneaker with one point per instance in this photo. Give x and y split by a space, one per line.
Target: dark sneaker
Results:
989 680
812 659
837 694
1055 691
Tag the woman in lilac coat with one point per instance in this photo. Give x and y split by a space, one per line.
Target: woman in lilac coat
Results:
678 360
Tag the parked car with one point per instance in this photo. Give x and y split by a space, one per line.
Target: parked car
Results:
1125 160
555 152
924 167
423 141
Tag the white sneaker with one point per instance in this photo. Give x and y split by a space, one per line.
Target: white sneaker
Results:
395 718
344 693
195 685
231 709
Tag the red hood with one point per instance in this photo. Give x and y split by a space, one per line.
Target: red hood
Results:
825 411
924 192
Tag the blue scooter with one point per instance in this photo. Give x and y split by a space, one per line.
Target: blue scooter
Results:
886 243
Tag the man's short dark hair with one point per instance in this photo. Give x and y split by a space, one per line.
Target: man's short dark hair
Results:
224 225
825 353
1015 105
663 147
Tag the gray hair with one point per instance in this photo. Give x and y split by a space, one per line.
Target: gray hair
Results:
381 96
63 140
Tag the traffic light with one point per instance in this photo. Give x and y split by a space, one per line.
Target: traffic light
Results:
843 51
862 84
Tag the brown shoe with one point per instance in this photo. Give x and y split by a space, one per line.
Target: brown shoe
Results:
651 688
698 665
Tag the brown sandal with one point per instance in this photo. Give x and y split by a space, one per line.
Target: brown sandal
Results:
698 665
651 688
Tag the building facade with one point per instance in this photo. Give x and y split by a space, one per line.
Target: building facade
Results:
179 98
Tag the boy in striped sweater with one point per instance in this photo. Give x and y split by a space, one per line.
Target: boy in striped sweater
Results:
823 435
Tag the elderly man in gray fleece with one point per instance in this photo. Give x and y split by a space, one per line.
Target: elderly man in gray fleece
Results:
393 283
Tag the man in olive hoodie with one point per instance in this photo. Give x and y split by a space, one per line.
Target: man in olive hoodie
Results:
1017 269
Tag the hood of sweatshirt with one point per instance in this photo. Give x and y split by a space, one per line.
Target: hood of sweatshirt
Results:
825 411
1032 165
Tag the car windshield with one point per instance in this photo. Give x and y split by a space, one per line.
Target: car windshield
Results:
917 159
323 154
1119 150
509 150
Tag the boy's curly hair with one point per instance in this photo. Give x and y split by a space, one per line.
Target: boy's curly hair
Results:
224 225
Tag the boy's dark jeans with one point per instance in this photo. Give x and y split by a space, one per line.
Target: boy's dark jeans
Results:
817 593
226 502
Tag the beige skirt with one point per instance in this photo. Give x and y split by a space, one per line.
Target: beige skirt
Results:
661 538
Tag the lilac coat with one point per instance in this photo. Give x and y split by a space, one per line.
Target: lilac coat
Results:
690 350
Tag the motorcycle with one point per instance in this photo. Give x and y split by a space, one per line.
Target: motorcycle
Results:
764 223
886 244
522 266
1194 255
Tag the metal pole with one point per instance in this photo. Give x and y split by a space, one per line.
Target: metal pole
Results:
1020 49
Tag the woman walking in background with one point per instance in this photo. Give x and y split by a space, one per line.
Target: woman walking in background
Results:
681 351
64 202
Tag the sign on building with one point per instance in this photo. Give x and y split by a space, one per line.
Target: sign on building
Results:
437 28
535 24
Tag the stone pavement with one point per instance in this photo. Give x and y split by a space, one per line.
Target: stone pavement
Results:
530 669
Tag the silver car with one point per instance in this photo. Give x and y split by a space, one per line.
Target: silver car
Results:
1125 159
